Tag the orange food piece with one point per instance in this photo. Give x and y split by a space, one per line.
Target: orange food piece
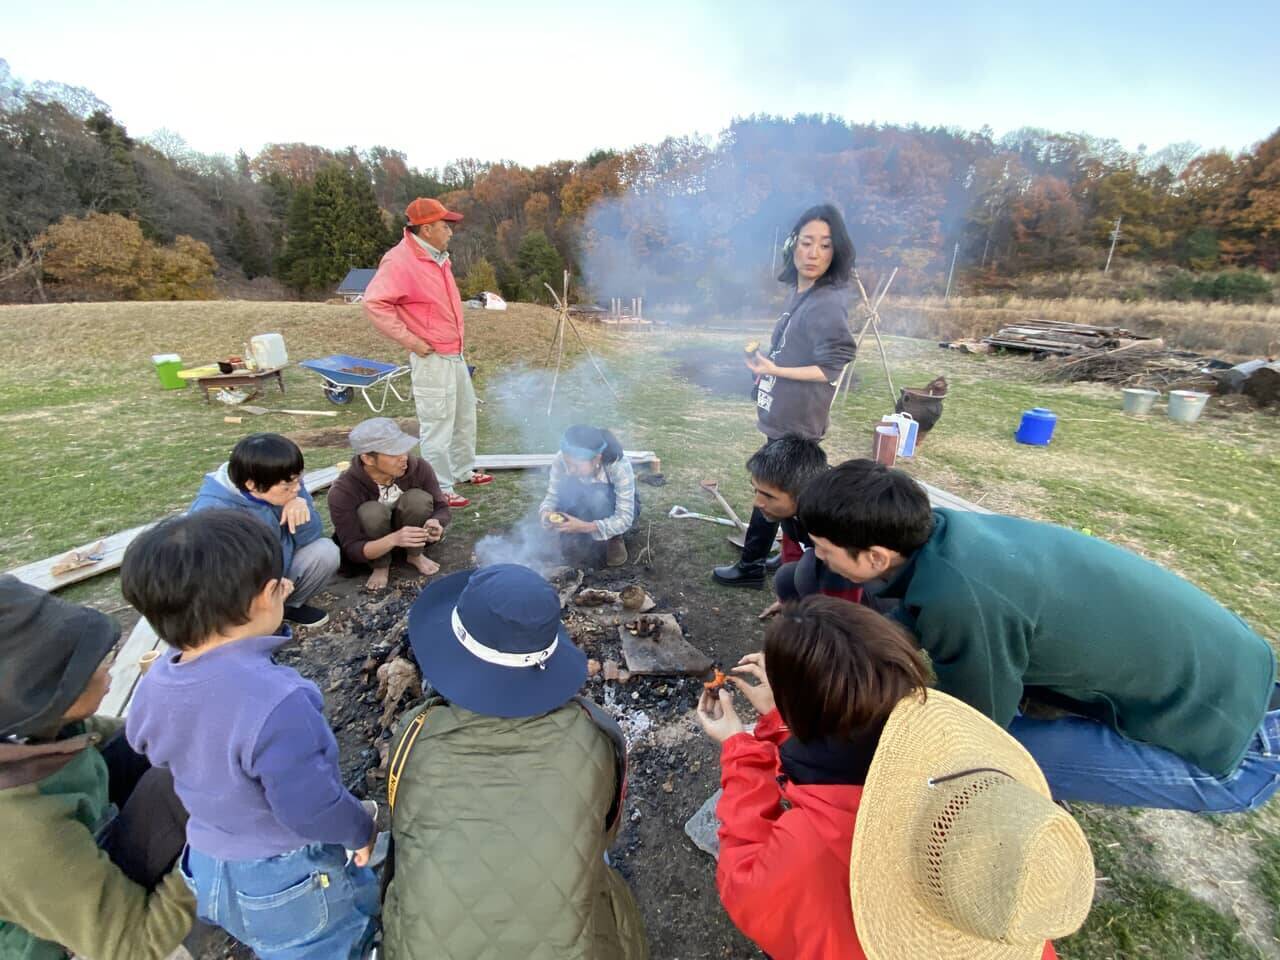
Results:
716 682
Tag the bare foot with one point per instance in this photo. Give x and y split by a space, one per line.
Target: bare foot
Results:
424 565
378 579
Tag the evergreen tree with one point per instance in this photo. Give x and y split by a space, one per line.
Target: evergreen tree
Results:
245 246
334 224
116 187
538 262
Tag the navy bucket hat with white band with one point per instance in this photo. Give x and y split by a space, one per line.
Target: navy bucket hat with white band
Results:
491 641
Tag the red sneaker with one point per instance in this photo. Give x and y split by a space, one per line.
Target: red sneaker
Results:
453 500
479 479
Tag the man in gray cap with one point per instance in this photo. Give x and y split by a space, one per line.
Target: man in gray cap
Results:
388 498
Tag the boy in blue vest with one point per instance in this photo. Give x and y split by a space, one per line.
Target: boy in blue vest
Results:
1172 698
277 847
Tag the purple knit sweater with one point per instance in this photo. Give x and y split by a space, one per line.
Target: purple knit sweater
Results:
252 757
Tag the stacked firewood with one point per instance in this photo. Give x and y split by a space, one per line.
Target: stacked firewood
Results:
1060 338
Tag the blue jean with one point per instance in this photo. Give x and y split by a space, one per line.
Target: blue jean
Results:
1090 761
307 904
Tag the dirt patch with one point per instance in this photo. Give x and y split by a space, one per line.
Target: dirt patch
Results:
338 436
718 369
1213 865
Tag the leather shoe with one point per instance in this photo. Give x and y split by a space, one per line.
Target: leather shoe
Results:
741 575
774 562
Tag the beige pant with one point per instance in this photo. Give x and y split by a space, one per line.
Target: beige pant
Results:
446 404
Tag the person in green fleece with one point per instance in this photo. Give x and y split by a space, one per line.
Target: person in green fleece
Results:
1171 699
90 831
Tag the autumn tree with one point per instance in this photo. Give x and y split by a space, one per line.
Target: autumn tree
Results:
106 256
480 278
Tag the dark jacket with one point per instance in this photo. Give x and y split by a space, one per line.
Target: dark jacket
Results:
813 332
802 573
354 487
1006 606
59 892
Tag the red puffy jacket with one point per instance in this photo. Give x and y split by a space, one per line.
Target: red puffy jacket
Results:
783 874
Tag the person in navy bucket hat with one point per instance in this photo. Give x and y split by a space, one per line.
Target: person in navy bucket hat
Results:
505 787
491 640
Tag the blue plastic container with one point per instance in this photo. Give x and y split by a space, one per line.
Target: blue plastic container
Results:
1036 427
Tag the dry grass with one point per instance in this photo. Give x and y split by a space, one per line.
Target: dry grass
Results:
1216 328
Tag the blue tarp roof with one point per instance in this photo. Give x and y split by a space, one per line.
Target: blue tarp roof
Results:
355 281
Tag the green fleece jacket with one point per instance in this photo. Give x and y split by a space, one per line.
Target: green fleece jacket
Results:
59 893
1005 606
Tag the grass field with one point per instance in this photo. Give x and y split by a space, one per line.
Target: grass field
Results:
90 445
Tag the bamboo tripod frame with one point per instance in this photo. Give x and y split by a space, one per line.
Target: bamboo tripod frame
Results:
873 323
557 342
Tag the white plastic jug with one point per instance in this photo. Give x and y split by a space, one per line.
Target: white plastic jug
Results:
267 351
908 430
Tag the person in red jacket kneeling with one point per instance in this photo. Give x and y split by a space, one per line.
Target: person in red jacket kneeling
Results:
959 851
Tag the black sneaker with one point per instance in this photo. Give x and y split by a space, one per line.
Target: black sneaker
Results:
304 615
741 575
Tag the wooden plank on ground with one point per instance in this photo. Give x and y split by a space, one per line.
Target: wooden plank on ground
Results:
125 672
949 501
40 573
534 461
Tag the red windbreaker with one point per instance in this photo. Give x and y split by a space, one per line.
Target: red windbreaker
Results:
414 300
783 874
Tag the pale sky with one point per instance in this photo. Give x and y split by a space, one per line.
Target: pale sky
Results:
538 81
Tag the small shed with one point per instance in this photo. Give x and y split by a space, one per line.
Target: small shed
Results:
353 285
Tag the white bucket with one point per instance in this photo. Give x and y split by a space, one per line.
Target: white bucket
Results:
1185 406
1138 401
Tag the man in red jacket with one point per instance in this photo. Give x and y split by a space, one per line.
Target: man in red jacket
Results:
413 300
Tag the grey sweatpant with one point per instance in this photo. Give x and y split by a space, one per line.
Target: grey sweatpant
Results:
311 569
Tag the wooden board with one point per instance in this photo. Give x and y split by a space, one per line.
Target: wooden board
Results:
125 672
535 461
949 501
40 573
667 654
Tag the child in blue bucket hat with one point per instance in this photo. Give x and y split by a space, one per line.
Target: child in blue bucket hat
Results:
506 788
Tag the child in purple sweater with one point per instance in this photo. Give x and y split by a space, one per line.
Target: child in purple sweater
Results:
252 757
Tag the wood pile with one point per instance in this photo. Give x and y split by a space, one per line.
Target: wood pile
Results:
1143 363
1060 338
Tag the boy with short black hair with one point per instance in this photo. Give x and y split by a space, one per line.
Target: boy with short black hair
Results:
779 471
263 478
1173 697
91 832
251 754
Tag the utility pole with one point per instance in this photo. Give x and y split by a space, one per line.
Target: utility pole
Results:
951 273
1115 235
773 268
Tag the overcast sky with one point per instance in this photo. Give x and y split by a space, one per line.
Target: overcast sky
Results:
536 81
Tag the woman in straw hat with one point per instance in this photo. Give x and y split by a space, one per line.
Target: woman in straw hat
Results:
958 851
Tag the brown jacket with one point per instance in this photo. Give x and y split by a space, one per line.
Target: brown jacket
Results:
355 487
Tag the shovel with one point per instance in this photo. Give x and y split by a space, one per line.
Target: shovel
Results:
713 487
680 513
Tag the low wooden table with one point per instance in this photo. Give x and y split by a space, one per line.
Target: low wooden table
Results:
240 378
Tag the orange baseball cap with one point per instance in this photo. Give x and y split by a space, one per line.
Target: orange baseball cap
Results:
425 210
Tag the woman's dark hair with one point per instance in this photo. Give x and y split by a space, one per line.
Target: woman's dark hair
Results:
195 576
594 438
837 668
843 254
788 463
862 504
264 458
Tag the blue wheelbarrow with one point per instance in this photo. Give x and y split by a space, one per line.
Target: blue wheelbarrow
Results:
343 375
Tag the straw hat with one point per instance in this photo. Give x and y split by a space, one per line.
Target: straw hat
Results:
959 852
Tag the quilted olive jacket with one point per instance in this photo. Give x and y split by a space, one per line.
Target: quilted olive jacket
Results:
500 830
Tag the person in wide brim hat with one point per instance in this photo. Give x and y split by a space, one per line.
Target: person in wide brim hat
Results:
960 852
506 790
491 640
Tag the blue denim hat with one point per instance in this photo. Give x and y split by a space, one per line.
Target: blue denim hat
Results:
491 641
